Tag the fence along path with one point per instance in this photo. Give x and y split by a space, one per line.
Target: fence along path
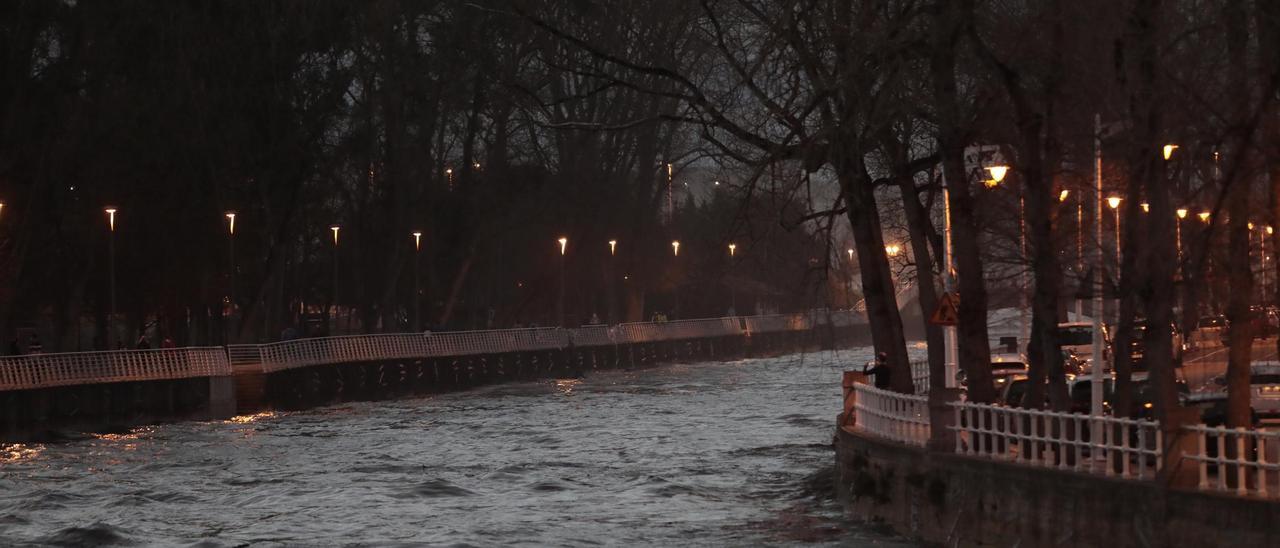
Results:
72 368
49 370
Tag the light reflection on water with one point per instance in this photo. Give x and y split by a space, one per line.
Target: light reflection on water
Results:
703 454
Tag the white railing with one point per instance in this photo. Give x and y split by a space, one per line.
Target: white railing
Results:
920 376
899 417
63 369
1239 460
42 370
1107 446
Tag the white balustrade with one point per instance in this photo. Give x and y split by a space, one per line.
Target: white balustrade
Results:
1107 446
1237 460
899 417
39 370
920 376
71 368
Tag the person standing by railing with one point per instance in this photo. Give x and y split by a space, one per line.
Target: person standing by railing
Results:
880 370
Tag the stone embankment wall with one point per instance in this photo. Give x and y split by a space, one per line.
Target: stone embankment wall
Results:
948 500
325 384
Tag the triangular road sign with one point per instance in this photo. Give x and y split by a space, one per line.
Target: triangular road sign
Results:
946 313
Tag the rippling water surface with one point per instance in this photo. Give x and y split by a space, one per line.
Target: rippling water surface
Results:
735 453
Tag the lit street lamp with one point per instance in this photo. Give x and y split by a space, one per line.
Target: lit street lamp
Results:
1114 203
564 243
111 275
231 277
733 293
417 281
1182 214
333 297
675 254
1204 216
613 284
1168 151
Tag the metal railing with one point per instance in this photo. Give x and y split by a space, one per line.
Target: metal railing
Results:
1108 446
899 417
63 369
1238 460
45 370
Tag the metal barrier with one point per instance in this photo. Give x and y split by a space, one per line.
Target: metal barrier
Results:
899 417
64 369
1239 460
1126 448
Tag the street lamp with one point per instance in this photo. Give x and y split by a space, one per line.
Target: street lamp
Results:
1182 214
1114 203
1146 207
1168 151
675 254
111 259
231 277
1062 196
334 292
564 245
1204 216
417 281
998 173
733 294
613 284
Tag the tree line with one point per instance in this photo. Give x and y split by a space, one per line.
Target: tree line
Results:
334 131
873 97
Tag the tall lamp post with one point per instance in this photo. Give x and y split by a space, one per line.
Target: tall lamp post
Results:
1114 203
733 293
848 281
334 288
111 274
231 276
675 254
417 281
564 243
612 285
1099 365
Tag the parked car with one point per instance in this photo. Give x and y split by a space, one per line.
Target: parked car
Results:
1210 332
1005 367
1264 385
1077 337
1138 347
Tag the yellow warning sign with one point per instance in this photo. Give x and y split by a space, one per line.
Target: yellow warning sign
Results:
946 313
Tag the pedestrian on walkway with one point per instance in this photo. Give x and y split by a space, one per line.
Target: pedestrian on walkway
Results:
880 370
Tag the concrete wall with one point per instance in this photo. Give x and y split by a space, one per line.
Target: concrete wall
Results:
950 500
48 414
322 385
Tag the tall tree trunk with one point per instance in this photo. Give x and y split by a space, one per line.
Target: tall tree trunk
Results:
877 282
1237 188
918 227
971 332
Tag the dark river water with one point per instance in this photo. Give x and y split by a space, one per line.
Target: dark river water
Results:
705 454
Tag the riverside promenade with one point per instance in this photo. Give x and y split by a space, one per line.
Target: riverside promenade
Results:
961 474
42 395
